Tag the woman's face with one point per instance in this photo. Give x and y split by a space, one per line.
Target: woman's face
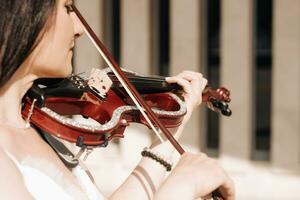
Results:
53 54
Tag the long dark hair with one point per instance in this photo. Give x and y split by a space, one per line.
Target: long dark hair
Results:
21 23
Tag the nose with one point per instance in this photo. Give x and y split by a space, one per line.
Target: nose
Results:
78 27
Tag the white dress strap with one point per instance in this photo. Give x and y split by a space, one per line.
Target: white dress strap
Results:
40 186
12 158
86 183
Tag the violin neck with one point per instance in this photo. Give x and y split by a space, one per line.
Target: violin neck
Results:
146 85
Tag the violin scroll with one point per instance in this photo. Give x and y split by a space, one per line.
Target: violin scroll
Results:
217 100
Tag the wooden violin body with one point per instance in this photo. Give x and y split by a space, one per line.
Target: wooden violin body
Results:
57 99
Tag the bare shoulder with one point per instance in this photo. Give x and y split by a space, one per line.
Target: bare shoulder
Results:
12 185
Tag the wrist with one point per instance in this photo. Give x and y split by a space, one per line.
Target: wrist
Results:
171 189
155 156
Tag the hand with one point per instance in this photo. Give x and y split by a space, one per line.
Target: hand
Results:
196 176
193 84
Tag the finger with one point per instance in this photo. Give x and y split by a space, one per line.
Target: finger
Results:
182 82
193 77
196 79
197 74
198 84
227 189
190 75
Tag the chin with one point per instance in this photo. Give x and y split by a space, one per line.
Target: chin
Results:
57 72
65 69
69 70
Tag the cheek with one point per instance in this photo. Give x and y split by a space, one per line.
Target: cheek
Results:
53 59
53 63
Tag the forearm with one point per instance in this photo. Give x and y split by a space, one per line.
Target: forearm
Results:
149 174
175 190
142 182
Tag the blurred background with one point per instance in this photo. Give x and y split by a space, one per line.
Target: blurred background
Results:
251 47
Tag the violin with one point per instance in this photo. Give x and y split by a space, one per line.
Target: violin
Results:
55 99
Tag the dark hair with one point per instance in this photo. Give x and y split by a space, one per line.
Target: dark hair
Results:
21 23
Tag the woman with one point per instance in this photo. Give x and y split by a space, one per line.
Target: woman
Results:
37 39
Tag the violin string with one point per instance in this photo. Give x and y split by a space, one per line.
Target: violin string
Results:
142 81
156 131
155 79
159 82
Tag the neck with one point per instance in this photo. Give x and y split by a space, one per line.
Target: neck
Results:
11 98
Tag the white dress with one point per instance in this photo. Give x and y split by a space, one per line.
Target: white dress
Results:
42 187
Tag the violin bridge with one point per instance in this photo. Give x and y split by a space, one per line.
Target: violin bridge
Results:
99 82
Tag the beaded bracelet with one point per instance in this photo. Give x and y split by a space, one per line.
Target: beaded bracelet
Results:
150 154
